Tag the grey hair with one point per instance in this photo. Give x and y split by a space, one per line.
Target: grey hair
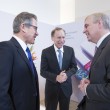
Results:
102 16
56 29
23 17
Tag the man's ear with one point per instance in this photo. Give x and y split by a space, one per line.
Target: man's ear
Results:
52 38
23 27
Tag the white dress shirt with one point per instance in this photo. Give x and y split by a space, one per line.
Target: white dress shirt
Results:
56 50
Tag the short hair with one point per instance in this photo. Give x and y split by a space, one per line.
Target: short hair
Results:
56 29
23 17
101 16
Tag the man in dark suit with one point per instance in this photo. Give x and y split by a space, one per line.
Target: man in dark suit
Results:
19 88
58 71
97 87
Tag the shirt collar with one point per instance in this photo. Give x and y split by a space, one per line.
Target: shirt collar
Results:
101 39
23 45
62 50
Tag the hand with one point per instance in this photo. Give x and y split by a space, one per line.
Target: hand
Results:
83 85
61 77
64 76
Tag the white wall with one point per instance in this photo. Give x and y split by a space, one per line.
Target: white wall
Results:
86 7
67 11
46 10
56 12
6 21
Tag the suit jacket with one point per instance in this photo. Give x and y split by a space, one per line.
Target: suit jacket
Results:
18 88
50 69
98 92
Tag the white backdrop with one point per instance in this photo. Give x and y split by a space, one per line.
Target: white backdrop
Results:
76 39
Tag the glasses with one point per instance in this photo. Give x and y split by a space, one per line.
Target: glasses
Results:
35 27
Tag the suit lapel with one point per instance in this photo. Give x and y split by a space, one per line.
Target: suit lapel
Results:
21 52
24 57
53 53
100 49
96 56
64 57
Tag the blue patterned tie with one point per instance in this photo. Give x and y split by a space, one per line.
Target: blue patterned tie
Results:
60 58
31 61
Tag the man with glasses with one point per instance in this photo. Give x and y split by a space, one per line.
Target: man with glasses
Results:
19 89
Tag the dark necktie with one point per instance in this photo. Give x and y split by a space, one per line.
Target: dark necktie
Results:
96 48
59 58
31 61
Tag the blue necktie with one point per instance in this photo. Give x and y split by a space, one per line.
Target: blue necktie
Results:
59 58
31 61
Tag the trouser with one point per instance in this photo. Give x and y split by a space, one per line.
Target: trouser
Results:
51 103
